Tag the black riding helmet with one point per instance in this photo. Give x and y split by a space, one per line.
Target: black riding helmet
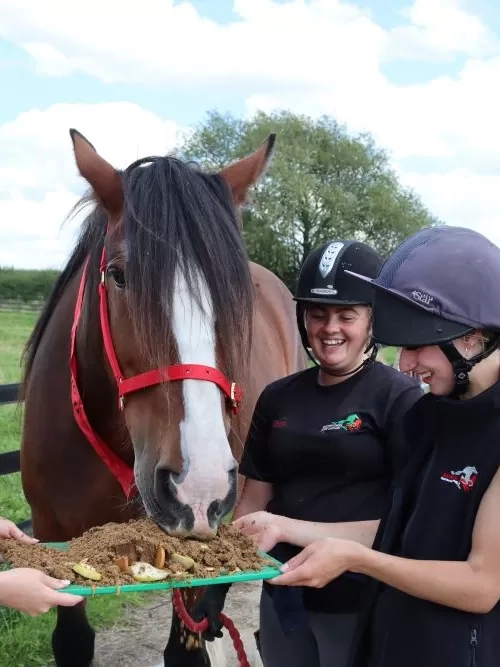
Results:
437 286
323 280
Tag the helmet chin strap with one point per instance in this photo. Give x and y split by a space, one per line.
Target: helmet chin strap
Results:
365 362
462 366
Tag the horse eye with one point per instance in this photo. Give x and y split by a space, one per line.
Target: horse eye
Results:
117 275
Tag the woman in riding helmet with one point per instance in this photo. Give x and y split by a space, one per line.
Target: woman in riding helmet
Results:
436 557
323 447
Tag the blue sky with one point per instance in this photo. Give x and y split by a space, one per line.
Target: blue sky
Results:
417 75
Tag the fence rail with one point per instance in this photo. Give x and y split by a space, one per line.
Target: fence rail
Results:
10 462
20 306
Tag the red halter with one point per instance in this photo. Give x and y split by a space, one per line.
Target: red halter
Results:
123 472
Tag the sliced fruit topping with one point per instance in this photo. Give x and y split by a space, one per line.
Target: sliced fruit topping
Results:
147 572
87 571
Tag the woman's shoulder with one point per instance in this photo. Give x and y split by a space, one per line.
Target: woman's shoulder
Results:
290 383
393 379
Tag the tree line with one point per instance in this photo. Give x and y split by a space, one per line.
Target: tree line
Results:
26 285
323 182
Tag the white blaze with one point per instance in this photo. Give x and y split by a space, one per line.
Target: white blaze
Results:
206 453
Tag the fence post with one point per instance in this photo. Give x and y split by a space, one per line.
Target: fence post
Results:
10 462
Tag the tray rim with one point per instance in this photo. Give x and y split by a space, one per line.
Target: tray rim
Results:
267 572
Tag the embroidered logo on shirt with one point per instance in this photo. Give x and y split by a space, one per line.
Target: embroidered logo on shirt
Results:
465 479
350 423
279 423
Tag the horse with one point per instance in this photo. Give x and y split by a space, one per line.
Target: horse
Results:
143 369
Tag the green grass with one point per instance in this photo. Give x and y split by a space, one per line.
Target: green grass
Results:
14 331
388 355
25 641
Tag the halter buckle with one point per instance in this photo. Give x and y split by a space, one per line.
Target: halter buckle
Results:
235 402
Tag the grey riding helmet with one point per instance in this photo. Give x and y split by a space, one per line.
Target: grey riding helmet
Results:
324 279
437 286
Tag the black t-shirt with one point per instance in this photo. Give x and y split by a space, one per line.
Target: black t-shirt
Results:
330 453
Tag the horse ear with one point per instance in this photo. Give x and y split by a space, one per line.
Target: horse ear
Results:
241 175
104 179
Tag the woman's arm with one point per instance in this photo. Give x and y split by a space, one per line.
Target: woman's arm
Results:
254 497
303 533
267 529
472 585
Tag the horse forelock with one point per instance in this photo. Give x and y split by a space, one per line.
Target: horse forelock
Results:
179 221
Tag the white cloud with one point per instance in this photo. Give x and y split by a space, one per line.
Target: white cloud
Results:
441 29
462 198
290 44
39 182
31 232
293 44
321 56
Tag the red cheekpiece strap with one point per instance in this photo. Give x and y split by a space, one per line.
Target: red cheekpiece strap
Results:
123 473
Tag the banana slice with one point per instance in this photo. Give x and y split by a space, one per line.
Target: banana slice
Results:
185 561
147 572
87 571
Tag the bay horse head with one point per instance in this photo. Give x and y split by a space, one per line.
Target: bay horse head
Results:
176 303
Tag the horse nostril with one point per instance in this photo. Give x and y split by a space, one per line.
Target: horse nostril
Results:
220 508
164 481
177 474
172 510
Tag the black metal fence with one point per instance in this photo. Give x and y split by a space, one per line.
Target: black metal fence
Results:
10 462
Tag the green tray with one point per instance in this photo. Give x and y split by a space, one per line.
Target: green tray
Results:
267 572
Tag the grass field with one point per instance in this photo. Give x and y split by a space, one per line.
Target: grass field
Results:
25 641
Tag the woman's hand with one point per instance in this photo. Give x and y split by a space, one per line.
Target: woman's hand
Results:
8 529
320 562
262 527
33 592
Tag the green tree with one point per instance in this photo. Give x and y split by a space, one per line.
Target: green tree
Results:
26 284
322 183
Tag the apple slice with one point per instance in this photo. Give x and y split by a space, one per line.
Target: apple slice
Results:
122 563
160 558
185 561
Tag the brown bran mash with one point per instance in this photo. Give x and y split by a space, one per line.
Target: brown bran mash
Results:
138 540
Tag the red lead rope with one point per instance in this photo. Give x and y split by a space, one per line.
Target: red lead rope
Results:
200 627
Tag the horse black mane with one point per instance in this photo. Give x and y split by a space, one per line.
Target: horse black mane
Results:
175 217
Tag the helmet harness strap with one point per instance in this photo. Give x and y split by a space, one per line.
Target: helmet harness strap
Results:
365 362
462 366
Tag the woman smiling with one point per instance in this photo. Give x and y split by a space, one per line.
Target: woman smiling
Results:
321 453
